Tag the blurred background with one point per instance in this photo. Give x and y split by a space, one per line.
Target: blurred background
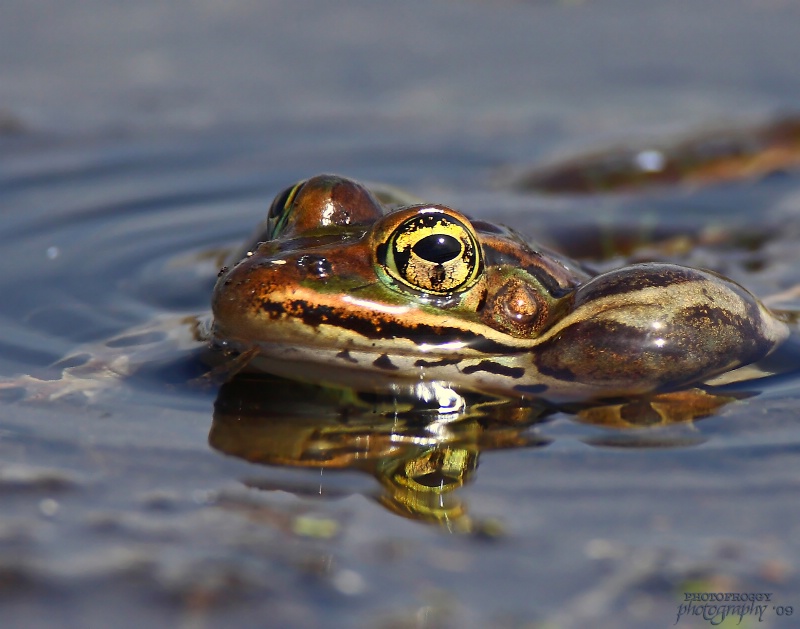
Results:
505 71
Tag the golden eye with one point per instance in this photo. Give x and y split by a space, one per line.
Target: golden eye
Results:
432 251
279 210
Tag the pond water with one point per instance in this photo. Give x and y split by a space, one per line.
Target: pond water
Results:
163 503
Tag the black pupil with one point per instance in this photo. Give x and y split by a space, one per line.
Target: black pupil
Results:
438 248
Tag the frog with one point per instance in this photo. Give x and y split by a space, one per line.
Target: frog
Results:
351 287
368 289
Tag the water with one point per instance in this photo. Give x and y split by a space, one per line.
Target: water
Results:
141 155
125 496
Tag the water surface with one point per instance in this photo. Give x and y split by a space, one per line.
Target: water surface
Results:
123 181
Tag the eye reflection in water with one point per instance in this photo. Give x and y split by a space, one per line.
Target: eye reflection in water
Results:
419 458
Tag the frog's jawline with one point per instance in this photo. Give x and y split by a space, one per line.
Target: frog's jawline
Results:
388 374
421 334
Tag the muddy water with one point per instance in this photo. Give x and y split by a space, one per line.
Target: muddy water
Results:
128 167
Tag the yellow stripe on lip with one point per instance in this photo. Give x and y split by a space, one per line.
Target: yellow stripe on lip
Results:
371 305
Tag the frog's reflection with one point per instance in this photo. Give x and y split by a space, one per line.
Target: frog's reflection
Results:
420 459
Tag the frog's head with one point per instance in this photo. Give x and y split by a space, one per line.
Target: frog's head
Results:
339 272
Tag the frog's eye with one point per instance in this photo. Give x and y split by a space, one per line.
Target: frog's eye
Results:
279 210
433 251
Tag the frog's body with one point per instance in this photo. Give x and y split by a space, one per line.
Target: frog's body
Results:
339 288
366 289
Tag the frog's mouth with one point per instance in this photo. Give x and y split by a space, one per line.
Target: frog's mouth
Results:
345 368
398 375
316 334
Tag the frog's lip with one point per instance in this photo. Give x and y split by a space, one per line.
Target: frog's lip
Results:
375 371
291 334
392 373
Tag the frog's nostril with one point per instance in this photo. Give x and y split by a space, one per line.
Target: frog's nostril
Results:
315 266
